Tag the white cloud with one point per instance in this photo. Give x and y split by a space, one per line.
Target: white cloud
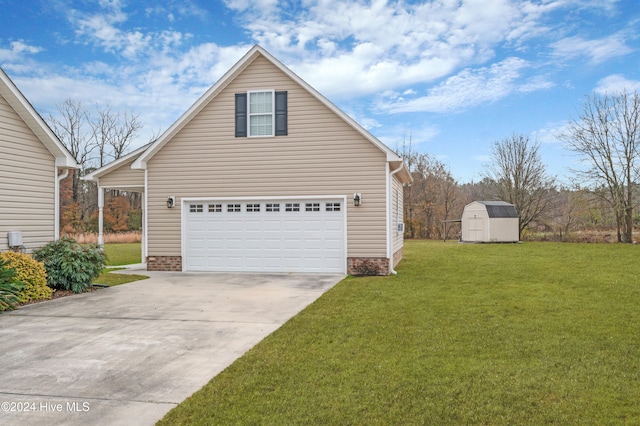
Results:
378 45
16 50
468 88
616 83
102 28
550 133
598 51
407 136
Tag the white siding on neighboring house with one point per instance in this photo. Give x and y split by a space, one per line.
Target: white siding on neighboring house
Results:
27 182
321 156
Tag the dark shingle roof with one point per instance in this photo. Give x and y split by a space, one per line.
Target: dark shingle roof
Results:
500 209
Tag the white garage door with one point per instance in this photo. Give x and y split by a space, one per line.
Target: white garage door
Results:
265 236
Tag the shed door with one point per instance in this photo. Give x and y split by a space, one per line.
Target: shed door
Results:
265 236
476 228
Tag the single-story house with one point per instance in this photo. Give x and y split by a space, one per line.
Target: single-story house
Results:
490 221
33 161
265 174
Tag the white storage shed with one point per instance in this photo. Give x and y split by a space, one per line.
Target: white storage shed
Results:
490 222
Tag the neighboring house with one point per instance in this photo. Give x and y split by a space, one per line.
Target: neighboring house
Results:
490 222
32 163
265 174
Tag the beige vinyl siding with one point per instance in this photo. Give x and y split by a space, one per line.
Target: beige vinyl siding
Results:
397 215
27 182
124 178
322 155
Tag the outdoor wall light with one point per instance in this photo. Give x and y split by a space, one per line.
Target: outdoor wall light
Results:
171 202
357 199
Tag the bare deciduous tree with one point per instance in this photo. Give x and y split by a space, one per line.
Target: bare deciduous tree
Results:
71 127
606 139
93 140
518 176
112 133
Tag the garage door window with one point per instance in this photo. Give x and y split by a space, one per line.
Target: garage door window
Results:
272 207
233 208
292 207
312 207
333 207
253 207
196 208
215 208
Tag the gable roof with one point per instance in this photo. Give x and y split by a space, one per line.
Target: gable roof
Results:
246 60
34 121
96 174
500 209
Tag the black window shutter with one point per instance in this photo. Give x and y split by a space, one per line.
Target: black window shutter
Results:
241 115
281 114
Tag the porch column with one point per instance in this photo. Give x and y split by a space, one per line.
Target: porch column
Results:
100 216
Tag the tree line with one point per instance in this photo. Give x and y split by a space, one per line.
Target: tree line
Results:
601 197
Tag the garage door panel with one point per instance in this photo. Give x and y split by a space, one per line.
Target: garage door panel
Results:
257 236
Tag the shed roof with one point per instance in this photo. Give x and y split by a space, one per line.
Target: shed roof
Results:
500 209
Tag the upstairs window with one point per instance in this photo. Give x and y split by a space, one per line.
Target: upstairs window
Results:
261 114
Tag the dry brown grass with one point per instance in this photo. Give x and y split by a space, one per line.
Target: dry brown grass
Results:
120 237
580 236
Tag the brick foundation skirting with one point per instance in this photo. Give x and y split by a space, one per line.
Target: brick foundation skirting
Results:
367 266
164 263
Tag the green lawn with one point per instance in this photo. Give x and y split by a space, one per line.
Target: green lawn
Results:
120 254
123 253
526 334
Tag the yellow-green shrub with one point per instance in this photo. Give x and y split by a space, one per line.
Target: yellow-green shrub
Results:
32 273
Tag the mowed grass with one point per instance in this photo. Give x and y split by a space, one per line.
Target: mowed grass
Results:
526 334
120 254
123 253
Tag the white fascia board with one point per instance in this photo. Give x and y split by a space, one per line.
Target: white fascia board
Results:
96 174
210 94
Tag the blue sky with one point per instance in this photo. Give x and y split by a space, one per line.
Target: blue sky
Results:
452 75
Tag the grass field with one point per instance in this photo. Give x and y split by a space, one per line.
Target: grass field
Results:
526 334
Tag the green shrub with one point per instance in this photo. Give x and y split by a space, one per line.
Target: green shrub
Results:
9 287
69 265
31 273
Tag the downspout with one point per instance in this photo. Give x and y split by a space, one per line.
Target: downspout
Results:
56 202
391 227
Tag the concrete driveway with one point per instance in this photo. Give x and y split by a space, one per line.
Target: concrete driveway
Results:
126 355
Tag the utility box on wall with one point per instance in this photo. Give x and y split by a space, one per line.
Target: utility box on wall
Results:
15 238
490 222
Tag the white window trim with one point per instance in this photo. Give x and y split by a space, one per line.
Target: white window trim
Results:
273 113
